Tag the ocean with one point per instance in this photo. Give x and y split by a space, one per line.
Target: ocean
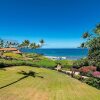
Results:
66 53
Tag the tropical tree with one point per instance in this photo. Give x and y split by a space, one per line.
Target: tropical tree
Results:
97 29
10 44
82 45
6 44
25 44
28 44
42 42
1 43
15 44
86 35
93 44
33 45
38 46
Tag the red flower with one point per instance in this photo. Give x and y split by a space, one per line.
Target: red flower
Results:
87 69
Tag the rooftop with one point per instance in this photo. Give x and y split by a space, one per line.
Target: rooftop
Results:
8 49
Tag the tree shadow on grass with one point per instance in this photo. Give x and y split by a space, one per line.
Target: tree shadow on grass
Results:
26 75
3 69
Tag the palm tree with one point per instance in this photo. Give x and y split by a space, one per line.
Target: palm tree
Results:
86 35
38 46
25 44
10 44
97 29
6 44
1 43
15 44
42 42
82 45
28 44
33 45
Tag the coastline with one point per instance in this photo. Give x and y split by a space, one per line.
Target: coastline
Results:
64 57
59 54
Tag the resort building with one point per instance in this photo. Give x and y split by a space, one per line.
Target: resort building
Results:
13 50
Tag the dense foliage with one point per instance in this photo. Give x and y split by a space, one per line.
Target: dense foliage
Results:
34 56
94 52
95 82
96 74
8 43
44 62
33 45
87 70
12 55
24 44
93 44
82 62
9 63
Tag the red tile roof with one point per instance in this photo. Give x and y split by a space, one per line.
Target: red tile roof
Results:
15 50
8 49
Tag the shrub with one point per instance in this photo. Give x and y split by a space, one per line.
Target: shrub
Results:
45 62
79 77
95 82
96 74
34 56
42 63
98 66
82 62
12 55
8 63
29 55
87 70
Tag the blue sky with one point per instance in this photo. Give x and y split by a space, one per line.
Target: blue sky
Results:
59 22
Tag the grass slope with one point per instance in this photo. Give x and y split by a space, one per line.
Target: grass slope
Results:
54 86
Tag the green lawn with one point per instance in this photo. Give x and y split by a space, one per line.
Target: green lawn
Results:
47 85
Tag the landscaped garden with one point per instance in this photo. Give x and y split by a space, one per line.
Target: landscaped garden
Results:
31 83
49 49
32 76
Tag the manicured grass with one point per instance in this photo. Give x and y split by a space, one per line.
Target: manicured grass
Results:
47 85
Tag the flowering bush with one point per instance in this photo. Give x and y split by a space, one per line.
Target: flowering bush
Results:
95 82
87 70
96 74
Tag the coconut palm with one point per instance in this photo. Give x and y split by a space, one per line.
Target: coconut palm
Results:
28 44
25 44
38 46
86 35
33 45
82 45
6 44
10 44
42 42
1 43
15 44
